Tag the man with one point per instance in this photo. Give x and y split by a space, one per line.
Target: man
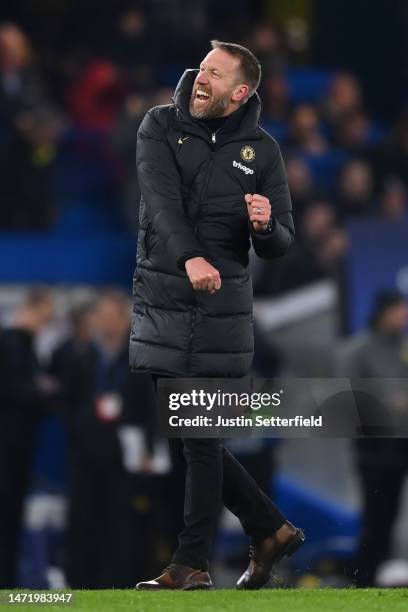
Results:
208 176
382 463
26 392
111 426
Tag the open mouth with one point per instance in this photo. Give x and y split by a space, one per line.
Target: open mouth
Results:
202 95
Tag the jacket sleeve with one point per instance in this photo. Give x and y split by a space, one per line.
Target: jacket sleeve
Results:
274 186
160 186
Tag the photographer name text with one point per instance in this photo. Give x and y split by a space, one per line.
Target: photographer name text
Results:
242 421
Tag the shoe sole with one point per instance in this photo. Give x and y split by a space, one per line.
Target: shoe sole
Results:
189 588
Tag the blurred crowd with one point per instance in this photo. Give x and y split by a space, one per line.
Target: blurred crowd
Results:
119 485
342 163
124 495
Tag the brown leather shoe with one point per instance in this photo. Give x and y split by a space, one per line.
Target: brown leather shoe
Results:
266 555
178 577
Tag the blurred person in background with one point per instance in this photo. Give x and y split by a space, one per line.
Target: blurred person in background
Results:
317 222
132 49
382 463
344 97
355 195
72 361
394 200
324 242
353 133
27 171
95 96
123 137
305 134
111 424
181 27
269 46
21 87
28 142
392 158
276 96
268 358
302 185
317 254
323 239
27 392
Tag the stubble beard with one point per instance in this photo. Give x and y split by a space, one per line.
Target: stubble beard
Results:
216 108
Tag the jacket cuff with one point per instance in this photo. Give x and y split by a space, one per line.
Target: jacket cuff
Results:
263 235
181 262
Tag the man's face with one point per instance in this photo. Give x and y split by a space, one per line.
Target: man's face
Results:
111 319
215 86
395 318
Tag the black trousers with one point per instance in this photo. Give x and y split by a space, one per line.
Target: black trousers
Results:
110 535
381 490
213 477
17 441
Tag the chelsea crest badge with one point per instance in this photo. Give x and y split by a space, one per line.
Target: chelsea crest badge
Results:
247 153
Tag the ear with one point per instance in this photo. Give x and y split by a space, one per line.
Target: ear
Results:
240 93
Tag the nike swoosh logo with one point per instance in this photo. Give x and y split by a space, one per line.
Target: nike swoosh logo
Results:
181 140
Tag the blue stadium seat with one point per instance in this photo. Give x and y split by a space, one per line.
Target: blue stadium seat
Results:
88 217
326 167
83 259
83 166
277 129
308 85
170 74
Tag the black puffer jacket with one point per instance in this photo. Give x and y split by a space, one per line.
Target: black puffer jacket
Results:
193 185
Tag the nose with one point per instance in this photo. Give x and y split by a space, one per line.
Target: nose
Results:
202 78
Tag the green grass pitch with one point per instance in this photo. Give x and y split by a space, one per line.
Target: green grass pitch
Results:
269 600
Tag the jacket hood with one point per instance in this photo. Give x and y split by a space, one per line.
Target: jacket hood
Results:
182 96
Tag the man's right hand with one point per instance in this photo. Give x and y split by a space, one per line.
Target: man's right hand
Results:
203 276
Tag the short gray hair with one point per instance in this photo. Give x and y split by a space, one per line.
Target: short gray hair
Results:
250 67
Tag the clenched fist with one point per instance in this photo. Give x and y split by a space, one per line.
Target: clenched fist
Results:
259 211
203 276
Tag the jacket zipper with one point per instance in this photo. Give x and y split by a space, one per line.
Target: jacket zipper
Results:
207 180
210 168
203 194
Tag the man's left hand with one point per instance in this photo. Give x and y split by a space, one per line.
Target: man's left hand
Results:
259 211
